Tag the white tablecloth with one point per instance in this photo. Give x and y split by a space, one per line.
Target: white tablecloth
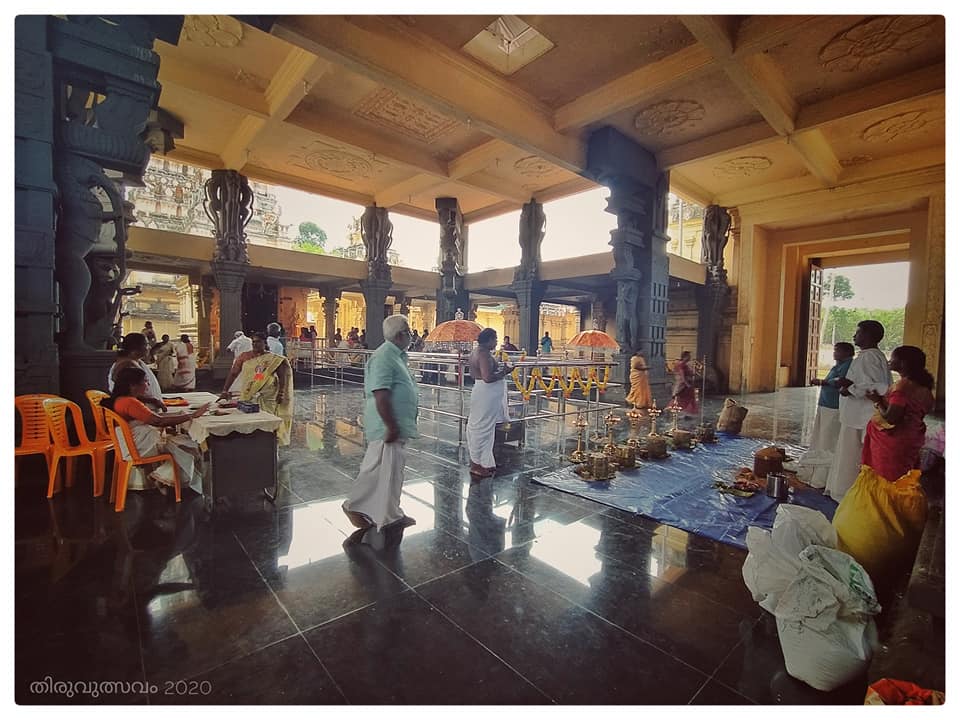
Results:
234 421
196 399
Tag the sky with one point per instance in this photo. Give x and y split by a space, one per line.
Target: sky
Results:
577 225
876 287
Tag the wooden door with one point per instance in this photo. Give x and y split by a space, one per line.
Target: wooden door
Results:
814 304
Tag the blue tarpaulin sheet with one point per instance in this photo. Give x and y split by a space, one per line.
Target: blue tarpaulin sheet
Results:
679 490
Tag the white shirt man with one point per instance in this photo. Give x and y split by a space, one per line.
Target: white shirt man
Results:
868 371
240 344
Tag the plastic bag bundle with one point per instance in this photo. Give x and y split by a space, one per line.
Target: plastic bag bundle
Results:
773 560
825 619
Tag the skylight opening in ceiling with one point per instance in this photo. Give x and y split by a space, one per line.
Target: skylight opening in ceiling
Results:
508 44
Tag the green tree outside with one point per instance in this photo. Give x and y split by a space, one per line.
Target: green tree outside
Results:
845 321
311 238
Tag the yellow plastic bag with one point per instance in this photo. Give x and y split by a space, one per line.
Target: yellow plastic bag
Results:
879 523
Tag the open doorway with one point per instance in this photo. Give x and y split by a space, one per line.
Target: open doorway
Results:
840 297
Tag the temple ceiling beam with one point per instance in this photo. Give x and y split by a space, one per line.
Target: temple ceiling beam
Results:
388 51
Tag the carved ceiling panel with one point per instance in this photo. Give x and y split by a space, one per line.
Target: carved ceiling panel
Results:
868 42
669 117
837 54
387 108
349 165
742 166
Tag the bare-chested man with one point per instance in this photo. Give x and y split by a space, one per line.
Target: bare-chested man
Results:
488 404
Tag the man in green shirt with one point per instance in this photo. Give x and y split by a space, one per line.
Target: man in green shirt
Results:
389 420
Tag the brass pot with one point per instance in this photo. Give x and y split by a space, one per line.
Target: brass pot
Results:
682 438
626 456
600 466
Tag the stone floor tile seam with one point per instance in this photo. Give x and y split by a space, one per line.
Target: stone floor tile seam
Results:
700 690
479 642
611 623
487 556
299 631
269 586
143 663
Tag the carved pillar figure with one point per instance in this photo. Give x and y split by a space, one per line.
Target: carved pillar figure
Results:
376 230
638 197
228 202
712 298
104 78
532 231
331 305
452 293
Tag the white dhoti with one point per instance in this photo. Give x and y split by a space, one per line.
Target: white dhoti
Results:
186 454
488 406
823 442
846 462
376 491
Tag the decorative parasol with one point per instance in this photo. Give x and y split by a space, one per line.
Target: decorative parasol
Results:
453 335
593 339
455 331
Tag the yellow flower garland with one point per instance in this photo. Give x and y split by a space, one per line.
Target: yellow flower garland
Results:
567 385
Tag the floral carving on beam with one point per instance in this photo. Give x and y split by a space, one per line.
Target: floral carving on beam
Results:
870 41
213 30
891 128
742 166
534 167
387 108
669 117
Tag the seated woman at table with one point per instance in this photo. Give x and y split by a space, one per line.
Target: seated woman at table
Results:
129 385
266 378
132 350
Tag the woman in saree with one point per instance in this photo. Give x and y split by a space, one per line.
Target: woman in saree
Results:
639 395
896 432
129 386
267 378
683 385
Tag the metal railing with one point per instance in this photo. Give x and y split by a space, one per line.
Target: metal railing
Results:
446 377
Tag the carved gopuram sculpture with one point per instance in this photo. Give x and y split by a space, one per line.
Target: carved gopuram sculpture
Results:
228 203
533 223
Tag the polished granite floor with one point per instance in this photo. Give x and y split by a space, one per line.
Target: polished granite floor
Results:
504 592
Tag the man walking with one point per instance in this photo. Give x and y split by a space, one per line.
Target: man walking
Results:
389 420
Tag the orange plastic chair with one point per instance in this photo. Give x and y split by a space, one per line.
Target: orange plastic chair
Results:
55 410
94 397
35 436
120 431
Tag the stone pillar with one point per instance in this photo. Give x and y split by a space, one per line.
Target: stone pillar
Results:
712 298
931 341
527 285
331 305
638 197
228 203
453 266
529 296
204 300
376 230
35 354
511 324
